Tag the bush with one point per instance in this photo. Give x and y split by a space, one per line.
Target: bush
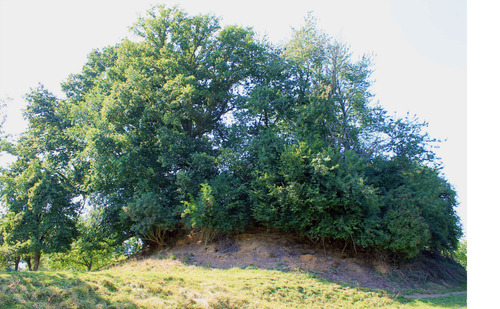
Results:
417 209
319 195
408 233
221 207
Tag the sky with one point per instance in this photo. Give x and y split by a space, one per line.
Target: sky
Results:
419 50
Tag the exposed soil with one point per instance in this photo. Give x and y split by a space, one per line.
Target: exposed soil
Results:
287 252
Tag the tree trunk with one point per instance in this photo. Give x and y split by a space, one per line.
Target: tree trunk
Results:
17 259
28 261
36 263
87 263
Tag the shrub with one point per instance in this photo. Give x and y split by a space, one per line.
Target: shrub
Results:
319 195
221 207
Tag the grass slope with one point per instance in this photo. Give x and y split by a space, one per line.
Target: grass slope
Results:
165 283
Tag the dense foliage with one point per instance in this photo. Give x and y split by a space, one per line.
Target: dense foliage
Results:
200 126
460 254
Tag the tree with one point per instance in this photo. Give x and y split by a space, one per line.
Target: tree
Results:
38 188
40 213
160 101
5 145
90 250
332 89
407 140
380 187
194 66
199 126
417 208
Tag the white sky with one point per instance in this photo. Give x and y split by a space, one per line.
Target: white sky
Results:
419 47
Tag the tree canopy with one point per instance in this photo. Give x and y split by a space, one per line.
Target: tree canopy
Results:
201 126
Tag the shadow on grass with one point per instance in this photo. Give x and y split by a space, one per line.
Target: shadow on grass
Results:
390 296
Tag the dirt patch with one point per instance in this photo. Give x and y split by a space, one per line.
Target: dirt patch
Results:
287 252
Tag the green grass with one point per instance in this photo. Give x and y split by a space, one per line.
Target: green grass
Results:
164 283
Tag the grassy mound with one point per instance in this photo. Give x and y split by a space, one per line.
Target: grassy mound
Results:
167 283
286 251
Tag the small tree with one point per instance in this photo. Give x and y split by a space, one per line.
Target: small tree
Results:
90 250
38 188
40 213
460 254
